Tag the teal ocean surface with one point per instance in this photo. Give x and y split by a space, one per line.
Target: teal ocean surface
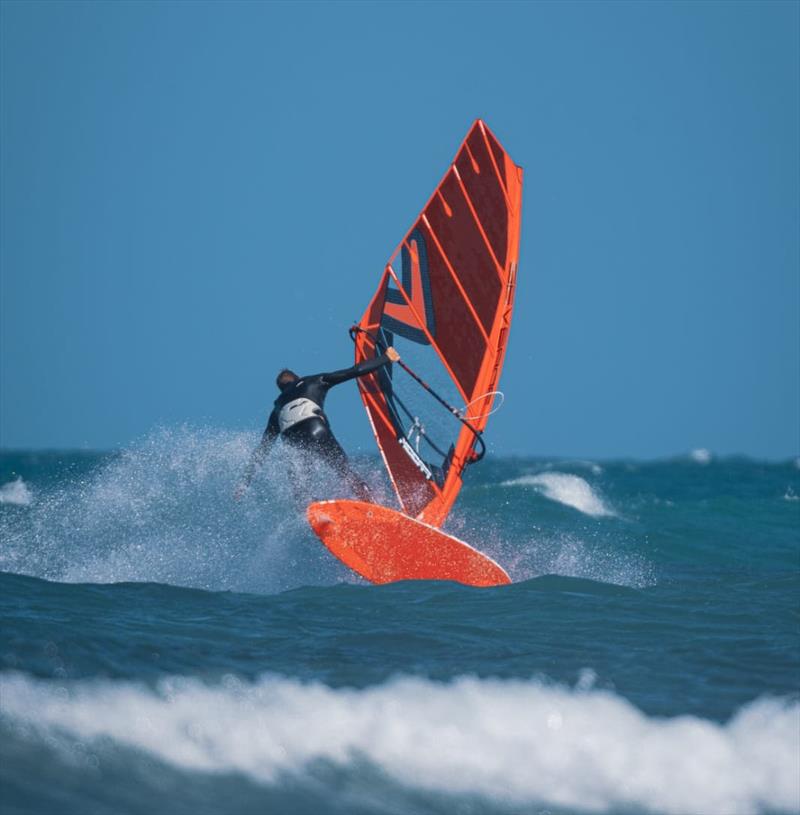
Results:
165 649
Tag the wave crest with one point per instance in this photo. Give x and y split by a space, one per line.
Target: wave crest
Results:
565 488
511 741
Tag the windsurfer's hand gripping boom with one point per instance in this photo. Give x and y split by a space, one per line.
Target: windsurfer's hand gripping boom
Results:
298 417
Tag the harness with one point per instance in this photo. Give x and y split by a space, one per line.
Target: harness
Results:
298 410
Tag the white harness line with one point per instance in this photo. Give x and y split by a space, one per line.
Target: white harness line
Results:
464 413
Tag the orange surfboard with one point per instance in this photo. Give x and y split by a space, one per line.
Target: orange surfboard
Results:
384 546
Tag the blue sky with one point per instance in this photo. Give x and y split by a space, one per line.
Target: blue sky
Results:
197 194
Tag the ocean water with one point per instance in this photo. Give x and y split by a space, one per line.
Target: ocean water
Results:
165 649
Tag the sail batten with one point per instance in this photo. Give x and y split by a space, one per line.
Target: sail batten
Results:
445 302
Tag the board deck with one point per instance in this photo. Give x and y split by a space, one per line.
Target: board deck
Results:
384 546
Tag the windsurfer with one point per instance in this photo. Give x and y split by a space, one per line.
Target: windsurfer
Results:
299 419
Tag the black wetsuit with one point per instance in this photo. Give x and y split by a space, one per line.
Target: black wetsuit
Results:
298 417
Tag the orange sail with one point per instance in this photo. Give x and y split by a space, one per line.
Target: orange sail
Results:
444 301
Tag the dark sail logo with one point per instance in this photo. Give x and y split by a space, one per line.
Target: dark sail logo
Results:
412 318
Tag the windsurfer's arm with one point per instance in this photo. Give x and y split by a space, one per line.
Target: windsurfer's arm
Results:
271 432
362 369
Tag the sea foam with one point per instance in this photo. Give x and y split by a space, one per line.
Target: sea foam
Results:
570 490
16 492
509 741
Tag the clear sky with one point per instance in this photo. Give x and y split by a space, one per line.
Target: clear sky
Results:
197 194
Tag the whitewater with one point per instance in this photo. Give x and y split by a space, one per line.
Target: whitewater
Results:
165 648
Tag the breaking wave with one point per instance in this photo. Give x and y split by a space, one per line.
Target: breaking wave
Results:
570 490
510 741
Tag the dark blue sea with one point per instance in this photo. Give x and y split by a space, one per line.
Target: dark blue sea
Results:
165 649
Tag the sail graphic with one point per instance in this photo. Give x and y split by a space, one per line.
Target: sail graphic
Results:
444 301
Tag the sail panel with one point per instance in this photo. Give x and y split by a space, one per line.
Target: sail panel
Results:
485 191
498 154
459 335
457 232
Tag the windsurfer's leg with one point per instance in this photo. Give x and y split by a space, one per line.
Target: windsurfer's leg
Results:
358 485
298 474
315 438
332 451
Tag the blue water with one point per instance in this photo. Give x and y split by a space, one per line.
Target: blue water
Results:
167 650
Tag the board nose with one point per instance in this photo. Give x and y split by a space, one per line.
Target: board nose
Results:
319 519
